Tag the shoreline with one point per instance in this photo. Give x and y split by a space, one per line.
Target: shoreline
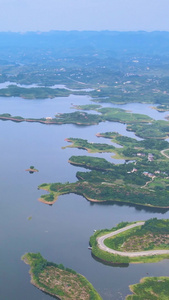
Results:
135 257
47 122
103 201
32 281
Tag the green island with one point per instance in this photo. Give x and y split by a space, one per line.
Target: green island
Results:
144 181
151 288
77 118
58 281
138 242
87 107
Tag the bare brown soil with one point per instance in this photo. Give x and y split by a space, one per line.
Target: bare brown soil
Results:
63 281
138 243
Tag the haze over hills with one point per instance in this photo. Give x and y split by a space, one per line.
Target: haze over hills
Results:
69 43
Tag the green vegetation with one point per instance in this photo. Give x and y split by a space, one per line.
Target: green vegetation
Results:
149 144
131 148
144 181
90 147
142 125
57 280
33 93
157 129
122 116
153 235
98 187
151 288
78 118
138 75
88 162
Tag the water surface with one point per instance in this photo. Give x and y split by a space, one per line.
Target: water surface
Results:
60 232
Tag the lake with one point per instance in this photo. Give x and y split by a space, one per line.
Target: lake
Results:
60 232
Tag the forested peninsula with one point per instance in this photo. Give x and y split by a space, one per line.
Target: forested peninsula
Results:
144 181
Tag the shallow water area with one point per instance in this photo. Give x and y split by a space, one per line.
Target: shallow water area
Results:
59 232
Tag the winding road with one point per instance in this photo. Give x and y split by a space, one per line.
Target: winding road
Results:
163 153
101 245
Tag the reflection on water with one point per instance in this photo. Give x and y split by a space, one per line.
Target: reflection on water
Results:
59 232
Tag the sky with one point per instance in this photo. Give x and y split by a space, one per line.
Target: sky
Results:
118 15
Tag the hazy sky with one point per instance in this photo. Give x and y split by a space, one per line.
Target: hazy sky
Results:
45 15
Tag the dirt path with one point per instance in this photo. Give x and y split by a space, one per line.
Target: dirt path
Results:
163 152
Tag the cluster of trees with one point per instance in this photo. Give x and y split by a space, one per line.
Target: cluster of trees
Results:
78 117
157 129
48 197
91 162
156 226
34 92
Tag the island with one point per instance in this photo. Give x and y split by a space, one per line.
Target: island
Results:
77 118
58 281
32 170
87 107
137 242
152 288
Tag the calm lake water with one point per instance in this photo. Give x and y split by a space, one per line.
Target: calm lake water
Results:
60 232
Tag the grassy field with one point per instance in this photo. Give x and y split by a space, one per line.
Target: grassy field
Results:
151 288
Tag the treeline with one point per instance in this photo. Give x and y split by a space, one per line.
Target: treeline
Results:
156 226
95 147
157 129
81 118
91 162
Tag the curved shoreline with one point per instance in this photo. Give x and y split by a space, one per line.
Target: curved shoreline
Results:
101 245
58 286
47 122
148 206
